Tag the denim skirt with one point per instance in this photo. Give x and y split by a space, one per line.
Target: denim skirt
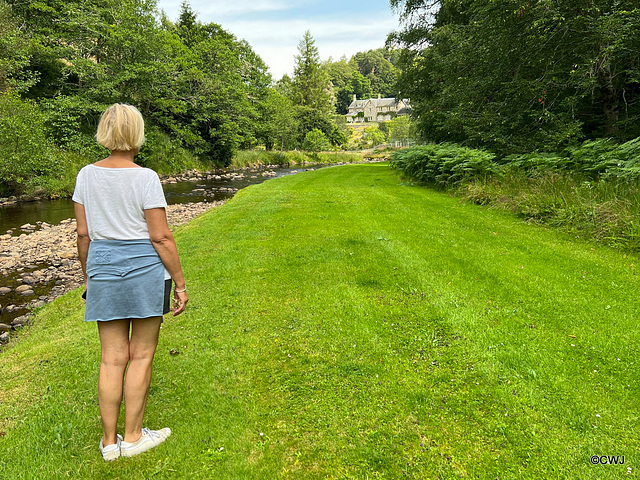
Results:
125 279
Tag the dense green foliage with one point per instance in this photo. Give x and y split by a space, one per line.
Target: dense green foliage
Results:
444 164
515 76
591 190
365 75
315 141
204 94
345 325
593 160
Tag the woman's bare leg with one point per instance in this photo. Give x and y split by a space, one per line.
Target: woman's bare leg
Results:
114 343
142 347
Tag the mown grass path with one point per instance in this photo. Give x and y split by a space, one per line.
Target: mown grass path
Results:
345 325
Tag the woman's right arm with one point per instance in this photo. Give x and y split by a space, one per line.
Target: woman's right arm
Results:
162 240
83 238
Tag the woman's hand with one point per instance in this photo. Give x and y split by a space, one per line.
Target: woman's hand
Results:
179 302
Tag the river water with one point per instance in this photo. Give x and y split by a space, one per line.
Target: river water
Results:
12 217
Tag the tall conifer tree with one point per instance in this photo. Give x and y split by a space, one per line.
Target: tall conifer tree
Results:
312 85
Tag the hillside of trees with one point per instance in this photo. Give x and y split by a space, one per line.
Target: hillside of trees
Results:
366 75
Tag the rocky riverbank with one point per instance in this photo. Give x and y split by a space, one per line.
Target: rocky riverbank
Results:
38 267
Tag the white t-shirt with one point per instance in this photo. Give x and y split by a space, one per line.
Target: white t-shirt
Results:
115 199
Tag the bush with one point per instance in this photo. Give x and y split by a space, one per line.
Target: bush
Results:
165 155
444 164
72 123
25 152
315 141
373 136
449 164
593 160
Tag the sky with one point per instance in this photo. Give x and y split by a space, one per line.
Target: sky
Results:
274 28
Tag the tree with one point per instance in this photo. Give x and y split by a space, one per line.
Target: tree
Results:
16 51
25 152
380 72
315 141
339 72
188 27
311 82
278 125
358 85
515 78
400 129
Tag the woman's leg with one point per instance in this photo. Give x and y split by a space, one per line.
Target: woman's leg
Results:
114 343
142 347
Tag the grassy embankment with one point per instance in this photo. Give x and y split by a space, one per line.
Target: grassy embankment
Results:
252 158
591 190
345 325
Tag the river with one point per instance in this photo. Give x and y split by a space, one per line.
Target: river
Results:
12 217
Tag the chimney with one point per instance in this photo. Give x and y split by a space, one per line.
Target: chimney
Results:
354 97
379 96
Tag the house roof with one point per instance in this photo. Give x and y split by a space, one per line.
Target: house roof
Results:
377 102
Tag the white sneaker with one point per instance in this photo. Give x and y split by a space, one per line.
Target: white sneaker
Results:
111 452
148 440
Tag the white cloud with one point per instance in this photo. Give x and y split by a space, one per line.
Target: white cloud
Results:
218 10
222 9
276 42
275 36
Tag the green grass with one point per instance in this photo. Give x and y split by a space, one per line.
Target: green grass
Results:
344 325
607 210
252 158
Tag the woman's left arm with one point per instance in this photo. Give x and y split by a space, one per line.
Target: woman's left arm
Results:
83 238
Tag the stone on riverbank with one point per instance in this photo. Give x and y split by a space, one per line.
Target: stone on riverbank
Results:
4 338
48 256
19 321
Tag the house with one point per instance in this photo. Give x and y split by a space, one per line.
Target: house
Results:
376 109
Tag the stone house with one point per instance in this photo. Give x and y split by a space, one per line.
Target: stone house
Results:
376 109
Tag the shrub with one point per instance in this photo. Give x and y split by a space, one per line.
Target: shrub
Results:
25 152
373 136
72 122
444 164
165 155
315 141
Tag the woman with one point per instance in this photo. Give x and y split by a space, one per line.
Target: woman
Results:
128 258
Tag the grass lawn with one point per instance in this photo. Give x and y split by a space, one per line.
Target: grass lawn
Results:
344 325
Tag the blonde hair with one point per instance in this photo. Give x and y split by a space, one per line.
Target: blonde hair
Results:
121 127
